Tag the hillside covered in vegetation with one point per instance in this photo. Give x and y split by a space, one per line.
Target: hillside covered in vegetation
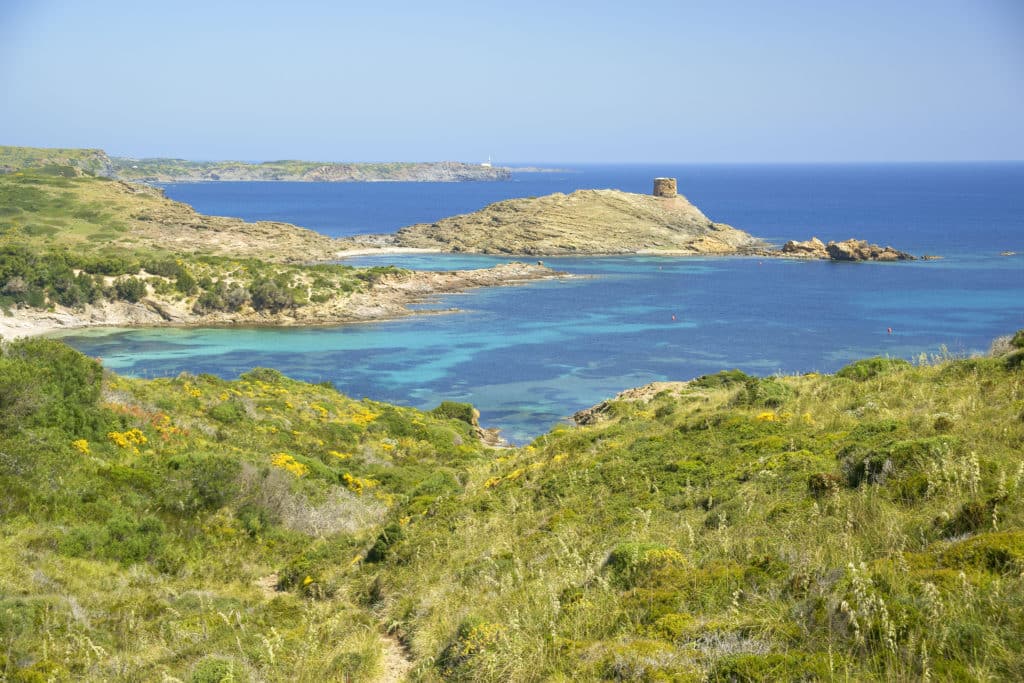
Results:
77 250
861 526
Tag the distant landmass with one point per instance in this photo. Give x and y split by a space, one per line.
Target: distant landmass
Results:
159 170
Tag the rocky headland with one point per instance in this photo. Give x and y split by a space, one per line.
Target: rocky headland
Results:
586 222
605 222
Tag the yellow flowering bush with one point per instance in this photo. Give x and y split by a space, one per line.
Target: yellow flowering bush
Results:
479 637
362 415
81 445
289 463
130 439
357 484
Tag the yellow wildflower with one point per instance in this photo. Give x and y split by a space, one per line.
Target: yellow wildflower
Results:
357 484
133 437
287 462
81 445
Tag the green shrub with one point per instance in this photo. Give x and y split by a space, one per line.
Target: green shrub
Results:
450 410
219 670
823 484
130 289
198 482
767 393
974 515
633 564
186 283
775 666
724 378
997 551
129 542
46 383
392 534
872 367
228 412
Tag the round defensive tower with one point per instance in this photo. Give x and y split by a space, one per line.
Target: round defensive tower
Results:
665 187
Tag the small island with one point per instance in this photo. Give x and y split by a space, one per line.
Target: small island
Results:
605 222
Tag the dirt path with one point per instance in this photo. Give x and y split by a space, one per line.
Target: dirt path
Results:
397 664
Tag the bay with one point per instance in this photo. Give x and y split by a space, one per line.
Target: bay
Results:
529 356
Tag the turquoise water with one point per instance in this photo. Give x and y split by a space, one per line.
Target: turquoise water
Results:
529 356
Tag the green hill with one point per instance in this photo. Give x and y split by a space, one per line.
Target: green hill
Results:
862 526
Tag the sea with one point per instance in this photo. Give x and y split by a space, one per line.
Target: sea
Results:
529 356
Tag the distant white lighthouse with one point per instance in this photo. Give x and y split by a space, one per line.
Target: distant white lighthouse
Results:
487 164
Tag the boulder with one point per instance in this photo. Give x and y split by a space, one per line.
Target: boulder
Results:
860 250
812 248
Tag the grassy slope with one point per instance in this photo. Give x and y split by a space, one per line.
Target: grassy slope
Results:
57 206
65 238
866 526
139 517
19 158
824 528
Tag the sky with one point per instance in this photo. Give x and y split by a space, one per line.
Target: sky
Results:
522 80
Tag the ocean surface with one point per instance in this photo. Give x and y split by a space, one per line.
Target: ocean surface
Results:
529 356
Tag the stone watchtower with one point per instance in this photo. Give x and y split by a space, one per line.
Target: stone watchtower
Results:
665 187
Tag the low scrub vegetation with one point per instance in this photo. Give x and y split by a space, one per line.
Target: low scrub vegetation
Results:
862 526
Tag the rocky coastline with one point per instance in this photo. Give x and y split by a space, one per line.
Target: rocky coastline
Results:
389 298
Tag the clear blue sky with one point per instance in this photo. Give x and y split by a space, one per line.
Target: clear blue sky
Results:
523 80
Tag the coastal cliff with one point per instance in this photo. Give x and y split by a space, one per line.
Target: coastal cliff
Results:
586 222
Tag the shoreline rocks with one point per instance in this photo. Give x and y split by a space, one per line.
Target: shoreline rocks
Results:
847 250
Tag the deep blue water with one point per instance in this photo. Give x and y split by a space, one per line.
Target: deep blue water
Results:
528 356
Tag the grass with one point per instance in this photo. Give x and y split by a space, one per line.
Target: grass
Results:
864 526
93 161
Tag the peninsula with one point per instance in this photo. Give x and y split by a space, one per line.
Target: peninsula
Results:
161 170
79 250
605 222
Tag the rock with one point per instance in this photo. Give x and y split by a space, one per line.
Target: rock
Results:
860 250
847 250
812 248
